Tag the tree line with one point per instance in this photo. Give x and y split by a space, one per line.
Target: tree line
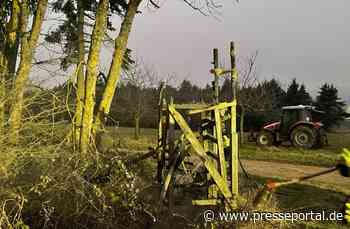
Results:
135 103
258 104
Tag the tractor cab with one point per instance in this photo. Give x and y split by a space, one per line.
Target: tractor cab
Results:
299 124
294 115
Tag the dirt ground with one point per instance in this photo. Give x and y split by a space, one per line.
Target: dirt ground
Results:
289 171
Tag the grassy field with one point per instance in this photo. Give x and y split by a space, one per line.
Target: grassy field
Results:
297 197
327 156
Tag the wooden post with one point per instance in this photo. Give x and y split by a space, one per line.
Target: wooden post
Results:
216 79
197 146
213 189
220 144
234 71
234 137
171 133
160 142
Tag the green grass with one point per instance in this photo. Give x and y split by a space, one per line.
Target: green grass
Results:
125 138
327 156
307 198
302 198
290 155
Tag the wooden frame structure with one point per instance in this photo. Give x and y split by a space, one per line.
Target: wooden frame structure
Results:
215 144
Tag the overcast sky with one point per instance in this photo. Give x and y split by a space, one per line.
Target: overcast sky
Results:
308 40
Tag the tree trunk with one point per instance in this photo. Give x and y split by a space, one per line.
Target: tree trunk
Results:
2 96
91 74
12 41
137 126
114 72
241 125
27 46
80 76
8 60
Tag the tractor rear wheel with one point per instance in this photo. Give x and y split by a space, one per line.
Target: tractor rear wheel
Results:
322 139
265 138
303 137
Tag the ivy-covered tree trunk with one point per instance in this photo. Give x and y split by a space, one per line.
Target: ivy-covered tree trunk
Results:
91 74
2 95
12 42
115 70
8 59
80 76
28 43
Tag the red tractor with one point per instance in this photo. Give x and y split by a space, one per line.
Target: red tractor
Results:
299 124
